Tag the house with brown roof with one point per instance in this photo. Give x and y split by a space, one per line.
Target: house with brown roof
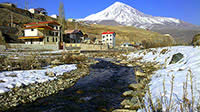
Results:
72 36
48 32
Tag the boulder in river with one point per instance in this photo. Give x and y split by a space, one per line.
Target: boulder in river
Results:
176 57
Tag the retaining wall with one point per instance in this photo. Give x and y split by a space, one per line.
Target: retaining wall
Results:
35 46
81 46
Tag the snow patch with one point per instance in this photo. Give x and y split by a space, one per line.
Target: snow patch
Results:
11 79
180 71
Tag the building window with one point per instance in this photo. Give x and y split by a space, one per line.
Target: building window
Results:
53 39
47 39
110 39
55 33
32 29
106 35
56 39
103 36
107 39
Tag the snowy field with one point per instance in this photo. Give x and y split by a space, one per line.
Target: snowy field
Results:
11 79
188 68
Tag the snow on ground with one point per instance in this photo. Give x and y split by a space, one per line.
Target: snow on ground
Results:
11 79
53 52
190 62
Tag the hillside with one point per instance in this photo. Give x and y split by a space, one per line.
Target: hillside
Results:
124 34
20 17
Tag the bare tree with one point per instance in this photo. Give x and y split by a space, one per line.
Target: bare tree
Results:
61 18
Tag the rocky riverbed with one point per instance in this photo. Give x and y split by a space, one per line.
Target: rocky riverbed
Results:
27 94
105 89
100 91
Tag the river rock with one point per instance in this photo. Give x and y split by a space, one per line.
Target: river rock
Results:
176 57
126 102
123 62
138 64
50 74
136 86
139 74
128 93
130 104
124 110
56 62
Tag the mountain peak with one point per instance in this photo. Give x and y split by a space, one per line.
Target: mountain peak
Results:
129 16
119 3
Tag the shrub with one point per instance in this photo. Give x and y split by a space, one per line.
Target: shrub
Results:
69 58
196 40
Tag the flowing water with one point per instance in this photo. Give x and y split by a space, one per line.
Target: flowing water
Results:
98 92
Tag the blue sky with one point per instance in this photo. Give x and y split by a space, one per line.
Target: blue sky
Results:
186 10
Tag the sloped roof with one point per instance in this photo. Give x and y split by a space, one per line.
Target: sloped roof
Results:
39 26
108 32
31 37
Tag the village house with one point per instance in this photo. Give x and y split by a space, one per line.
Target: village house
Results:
108 38
72 36
40 11
127 45
48 32
71 20
54 16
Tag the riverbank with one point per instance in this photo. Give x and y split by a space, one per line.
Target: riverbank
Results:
67 80
31 92
133 98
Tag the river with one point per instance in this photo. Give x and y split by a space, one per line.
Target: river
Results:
98 92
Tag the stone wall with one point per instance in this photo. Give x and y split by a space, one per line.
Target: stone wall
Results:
35 46
81 46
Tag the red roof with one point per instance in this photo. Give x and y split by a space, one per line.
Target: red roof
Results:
45 22
108 32
39 26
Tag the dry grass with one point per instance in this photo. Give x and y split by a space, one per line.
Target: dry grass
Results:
24 63
126 34
186 105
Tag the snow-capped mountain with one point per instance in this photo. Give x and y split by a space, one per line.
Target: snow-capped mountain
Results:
122 14
126 15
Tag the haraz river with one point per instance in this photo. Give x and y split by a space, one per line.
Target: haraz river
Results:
98 92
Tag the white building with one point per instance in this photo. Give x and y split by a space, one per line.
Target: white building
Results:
40 11
108 38
126 45
54 16
71 20
34 11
